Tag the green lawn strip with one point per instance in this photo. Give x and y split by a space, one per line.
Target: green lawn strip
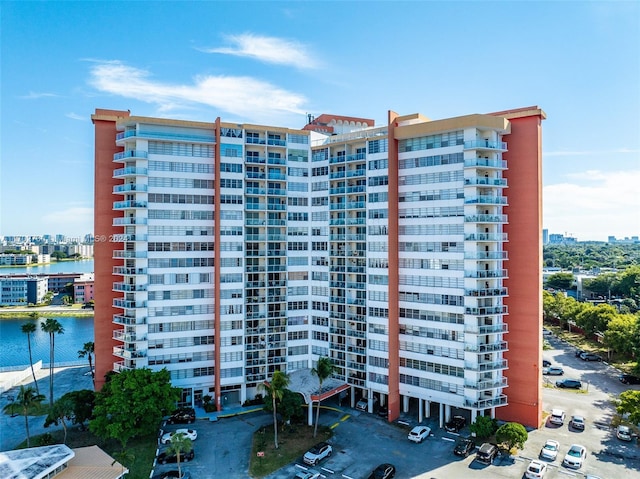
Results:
293 442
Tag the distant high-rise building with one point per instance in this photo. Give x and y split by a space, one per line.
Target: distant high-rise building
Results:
545 236
404 252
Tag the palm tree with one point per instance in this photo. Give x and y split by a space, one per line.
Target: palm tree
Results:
27 399
87 350
29 328
53 327
179 444
323 370
275 388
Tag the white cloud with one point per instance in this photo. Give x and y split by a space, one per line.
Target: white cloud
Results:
600 204
242 96
75 116
32 95
267 49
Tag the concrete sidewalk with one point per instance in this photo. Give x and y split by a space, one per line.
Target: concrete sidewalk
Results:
65 379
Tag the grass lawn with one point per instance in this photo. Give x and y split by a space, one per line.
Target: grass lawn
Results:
293 442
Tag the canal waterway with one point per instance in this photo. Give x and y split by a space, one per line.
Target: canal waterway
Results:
77 330
84 266
14 350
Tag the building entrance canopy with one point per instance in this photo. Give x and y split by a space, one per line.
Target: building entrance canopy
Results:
304 382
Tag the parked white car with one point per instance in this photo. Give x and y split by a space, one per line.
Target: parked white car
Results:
419 434
557 417
575 456
188 433
550 450
623 433
317 453
536 470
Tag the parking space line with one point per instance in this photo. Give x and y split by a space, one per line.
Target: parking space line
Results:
333 426
327 470
345 417
448 439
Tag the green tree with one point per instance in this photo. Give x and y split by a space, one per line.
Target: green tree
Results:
87 351
53 327
29 328
323 371
27 399
512 435
60 413
594 319
179 444
622 334
484 426
289 406
275 391
629 403
132 403
83 402
561 281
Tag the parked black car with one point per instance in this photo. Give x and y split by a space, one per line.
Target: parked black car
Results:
456 423
546 363
383 471
590 357
629 379
487 453
383 411
165 457
464 447
579 352
569 383
182 416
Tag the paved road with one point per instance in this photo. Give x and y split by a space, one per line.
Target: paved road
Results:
12 429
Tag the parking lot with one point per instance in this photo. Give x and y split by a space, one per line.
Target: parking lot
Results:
361 441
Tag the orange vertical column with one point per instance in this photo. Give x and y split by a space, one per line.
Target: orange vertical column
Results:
524 248
394 310
105 147
216 267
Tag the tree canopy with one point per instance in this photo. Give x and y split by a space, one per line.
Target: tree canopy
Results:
629 403
512 435
132 403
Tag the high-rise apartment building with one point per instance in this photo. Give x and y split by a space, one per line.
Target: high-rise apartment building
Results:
408 253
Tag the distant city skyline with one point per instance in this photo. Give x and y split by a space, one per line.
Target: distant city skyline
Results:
272 66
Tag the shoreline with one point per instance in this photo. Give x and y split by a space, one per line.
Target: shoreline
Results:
45 311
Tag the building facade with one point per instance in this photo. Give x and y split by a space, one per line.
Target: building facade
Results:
407 253
18 290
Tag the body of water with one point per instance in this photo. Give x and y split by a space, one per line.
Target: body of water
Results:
14 350
85 266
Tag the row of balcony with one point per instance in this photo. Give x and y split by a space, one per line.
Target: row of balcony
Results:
252 140
358 172
486 292
129 287
266 191
127 154
347 189
347 221
487 347
486 403
120 335
487 384
485 144
129 187
485 200
345 158
129 320
165 135
352 205
128 353
263 160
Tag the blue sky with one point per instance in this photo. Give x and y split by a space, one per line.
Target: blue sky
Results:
272 62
